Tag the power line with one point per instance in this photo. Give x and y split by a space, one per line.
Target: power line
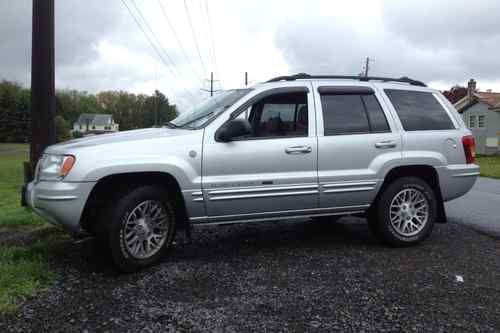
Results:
194 36
148 38
178 40
212 43
174 74
152 33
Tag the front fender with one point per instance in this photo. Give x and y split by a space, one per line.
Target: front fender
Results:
187 174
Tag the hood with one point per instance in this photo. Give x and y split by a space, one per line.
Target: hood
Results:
119 137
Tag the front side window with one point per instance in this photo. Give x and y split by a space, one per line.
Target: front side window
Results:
352 114
419 111
278 115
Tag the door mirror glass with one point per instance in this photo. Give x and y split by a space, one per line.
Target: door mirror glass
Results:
233 129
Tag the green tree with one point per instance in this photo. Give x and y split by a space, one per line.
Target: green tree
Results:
129 110
62 129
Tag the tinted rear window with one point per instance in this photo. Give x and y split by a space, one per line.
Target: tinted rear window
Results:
378 122
344 114
351 114
419 111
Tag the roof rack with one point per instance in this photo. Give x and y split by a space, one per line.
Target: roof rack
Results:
302 76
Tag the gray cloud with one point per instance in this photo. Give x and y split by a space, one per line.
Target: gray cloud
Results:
80 25
446 41
15 44
443 24
469 31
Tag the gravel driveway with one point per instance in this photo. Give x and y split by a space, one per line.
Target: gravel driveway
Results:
292 276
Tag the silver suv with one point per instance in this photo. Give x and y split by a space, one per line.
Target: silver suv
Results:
296 146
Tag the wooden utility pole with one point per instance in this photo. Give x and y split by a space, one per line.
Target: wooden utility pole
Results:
246 78
211 90
367 66
211 84
43 103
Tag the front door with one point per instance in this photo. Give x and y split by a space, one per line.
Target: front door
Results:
273 171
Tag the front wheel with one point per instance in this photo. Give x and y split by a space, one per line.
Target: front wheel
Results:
405 212
142 227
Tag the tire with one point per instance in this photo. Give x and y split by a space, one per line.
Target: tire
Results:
141 220
412 205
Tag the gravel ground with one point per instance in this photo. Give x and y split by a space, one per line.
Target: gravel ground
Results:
289 276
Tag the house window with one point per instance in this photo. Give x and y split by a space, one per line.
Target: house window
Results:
480 121
472 121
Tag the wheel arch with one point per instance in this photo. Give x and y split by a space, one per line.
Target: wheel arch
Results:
425 172
109 186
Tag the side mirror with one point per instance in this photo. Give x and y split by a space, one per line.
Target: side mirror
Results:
233 129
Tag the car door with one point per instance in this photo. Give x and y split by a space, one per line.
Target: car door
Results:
273 171
356 137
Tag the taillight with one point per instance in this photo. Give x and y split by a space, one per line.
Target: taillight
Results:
469 149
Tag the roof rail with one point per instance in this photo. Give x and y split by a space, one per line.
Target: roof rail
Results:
302 76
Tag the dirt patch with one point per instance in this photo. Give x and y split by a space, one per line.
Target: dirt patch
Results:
24 235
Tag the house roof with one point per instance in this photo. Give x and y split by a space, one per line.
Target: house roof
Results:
95 119
492 99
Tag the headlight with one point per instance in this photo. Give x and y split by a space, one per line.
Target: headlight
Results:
54 167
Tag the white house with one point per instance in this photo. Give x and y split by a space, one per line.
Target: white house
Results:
480 110
89 123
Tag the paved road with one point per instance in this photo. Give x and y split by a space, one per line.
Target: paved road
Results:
480 208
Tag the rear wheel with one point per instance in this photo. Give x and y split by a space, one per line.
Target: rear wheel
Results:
405 212
142 227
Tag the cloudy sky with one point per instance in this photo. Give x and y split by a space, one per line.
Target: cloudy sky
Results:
100 47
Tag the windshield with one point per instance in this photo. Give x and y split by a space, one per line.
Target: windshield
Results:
209 109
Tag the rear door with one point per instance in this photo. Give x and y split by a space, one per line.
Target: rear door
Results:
356 137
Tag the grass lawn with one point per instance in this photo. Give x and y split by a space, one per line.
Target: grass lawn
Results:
490 166
11 179
23 268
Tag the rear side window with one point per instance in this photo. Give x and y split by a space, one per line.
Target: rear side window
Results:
352 114
378 122
419 111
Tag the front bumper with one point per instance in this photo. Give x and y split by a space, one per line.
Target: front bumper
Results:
59 203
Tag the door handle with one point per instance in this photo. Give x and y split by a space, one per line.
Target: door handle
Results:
385 144
298 150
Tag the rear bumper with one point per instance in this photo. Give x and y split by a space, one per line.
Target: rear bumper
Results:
59 203
457 180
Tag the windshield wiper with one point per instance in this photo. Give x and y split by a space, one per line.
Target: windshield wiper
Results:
170 125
